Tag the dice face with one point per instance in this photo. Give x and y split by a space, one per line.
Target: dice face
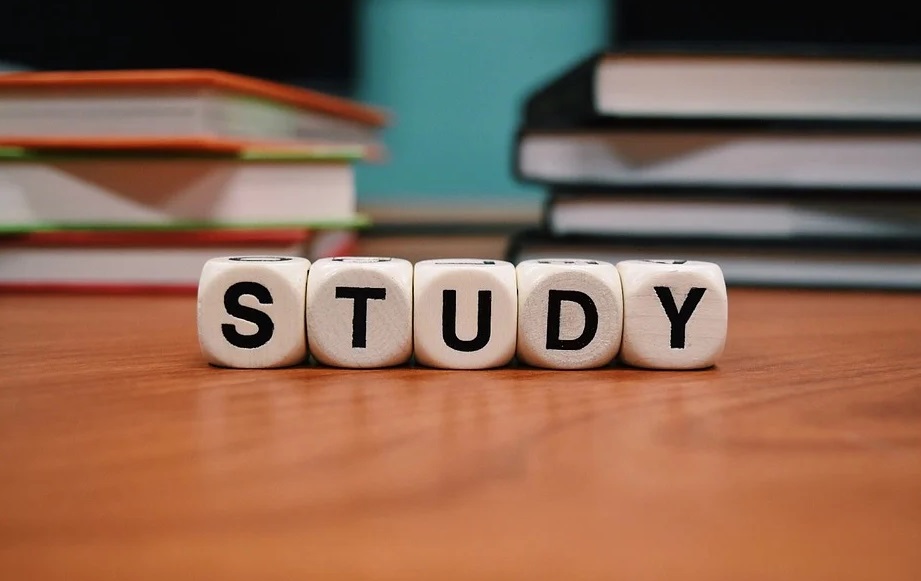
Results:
570 313
251 311
675 313
465 313
359 311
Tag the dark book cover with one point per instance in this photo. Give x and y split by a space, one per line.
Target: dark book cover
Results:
567 100
734 193
881 29
848 257
563 124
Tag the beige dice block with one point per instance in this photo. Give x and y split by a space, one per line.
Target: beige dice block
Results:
570 313
465 313
360 311
251 311
675 313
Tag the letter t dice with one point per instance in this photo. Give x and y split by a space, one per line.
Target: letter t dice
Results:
360 311
675 313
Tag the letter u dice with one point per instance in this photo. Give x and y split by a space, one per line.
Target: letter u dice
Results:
465 313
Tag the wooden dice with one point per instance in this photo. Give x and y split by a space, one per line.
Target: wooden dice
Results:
675 313
570 313
466 313
251 311
371 312
360 311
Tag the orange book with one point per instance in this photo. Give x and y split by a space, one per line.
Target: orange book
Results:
176 109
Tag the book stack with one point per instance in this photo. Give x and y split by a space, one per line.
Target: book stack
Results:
132 180
787 170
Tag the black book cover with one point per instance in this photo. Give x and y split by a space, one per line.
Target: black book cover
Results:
564 124
566 102
881 29
817 29
794 246
736 193
899 208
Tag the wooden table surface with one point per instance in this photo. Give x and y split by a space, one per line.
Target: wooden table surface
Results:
124 456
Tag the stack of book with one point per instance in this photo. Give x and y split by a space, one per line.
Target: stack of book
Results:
131 180
792 170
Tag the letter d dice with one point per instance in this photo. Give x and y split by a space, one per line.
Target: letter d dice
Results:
570 313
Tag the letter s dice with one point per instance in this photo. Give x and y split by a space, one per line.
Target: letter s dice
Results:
675 313
251 311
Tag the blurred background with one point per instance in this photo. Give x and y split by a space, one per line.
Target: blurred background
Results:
452 72
457 75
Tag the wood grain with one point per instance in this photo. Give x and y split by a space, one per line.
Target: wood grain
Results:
124 456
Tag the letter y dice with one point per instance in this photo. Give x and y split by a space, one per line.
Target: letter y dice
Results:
675 313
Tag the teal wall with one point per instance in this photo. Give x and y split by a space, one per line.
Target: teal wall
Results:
453 72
